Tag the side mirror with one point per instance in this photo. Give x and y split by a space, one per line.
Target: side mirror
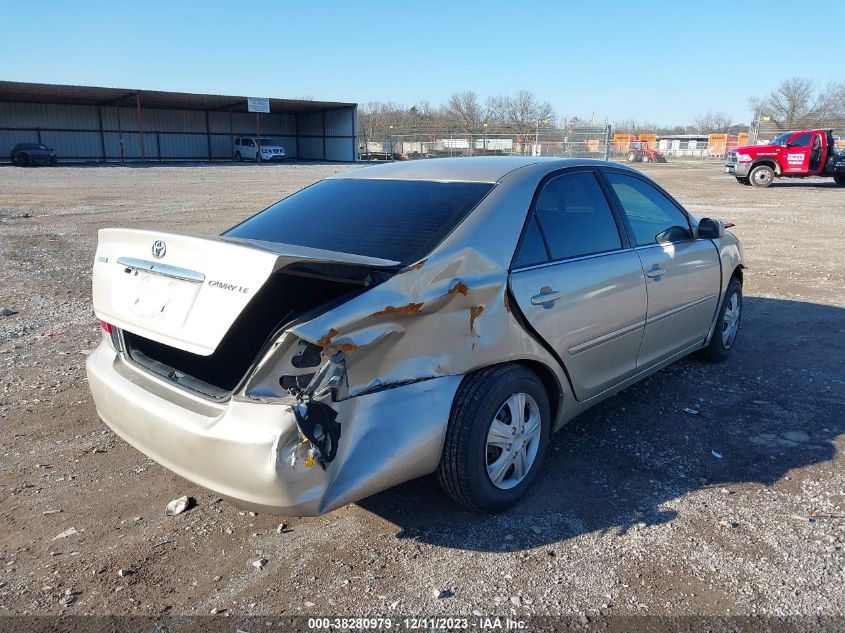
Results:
710 229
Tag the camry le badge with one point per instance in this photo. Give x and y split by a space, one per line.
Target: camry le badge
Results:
159 249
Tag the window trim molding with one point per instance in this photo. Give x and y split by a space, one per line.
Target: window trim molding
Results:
568 260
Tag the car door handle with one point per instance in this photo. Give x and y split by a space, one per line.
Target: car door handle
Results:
545 297
655 272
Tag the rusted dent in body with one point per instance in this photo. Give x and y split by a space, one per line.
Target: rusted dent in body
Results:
409 309
459 287
474 313
327 339
344 347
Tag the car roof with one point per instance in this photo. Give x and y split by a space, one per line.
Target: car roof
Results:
474 169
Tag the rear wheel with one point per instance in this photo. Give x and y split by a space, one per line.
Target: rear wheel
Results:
761 176
839 179
238 157
632 157
496 439
727 324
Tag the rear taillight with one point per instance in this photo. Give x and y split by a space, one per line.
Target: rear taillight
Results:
111 334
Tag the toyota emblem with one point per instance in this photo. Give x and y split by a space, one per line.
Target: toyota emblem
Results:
159 249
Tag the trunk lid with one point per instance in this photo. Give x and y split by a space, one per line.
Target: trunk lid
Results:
185 291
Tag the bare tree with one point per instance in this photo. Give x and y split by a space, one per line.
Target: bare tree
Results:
465 111
797 103
522 114
712 122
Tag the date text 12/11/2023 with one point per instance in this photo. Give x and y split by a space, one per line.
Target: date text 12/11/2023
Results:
419 623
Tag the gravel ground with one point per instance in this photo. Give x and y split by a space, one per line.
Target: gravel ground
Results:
641 508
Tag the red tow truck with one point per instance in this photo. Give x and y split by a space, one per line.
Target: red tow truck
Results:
795 154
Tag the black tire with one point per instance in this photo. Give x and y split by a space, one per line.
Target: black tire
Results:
717 349
463 465
761 176
646 159
238 157
23 160
839 179
743 181
632 157
54 161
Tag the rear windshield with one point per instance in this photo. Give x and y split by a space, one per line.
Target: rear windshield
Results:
402 220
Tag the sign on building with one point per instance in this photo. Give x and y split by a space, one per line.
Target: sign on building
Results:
256 104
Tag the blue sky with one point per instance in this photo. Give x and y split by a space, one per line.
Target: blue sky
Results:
659 61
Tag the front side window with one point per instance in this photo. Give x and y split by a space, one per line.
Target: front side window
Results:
576 217
780 139
802 140
400 220
654 218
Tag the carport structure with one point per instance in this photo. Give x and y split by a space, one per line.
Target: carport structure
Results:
121 124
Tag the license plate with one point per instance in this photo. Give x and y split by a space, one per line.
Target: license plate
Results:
157 298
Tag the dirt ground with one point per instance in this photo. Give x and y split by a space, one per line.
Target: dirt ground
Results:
641 508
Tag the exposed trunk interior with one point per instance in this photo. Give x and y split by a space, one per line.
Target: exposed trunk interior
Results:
290 293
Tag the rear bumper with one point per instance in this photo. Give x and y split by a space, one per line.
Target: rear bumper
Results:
241 450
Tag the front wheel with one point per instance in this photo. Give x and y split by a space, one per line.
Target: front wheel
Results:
727 324
761 176
496 439
839 179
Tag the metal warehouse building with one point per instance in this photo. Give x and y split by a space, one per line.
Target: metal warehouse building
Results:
114 124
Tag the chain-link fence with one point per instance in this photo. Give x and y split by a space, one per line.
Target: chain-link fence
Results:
599 142
582 143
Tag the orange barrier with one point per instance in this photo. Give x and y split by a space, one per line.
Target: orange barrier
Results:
621 142
650 140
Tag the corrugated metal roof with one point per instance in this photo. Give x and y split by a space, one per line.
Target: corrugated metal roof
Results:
93 95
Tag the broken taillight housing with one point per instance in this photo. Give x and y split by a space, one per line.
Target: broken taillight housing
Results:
110 333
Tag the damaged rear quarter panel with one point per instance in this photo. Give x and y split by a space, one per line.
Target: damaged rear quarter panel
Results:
447 315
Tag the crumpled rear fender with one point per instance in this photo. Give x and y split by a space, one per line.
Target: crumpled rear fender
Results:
446 316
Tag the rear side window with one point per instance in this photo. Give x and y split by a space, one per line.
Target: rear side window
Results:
654 218
532 250
576 217
402 220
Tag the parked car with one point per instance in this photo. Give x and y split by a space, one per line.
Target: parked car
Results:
246 148
400 320
26 154
795 154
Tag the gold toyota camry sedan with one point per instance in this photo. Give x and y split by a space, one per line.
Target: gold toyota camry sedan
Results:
438 316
